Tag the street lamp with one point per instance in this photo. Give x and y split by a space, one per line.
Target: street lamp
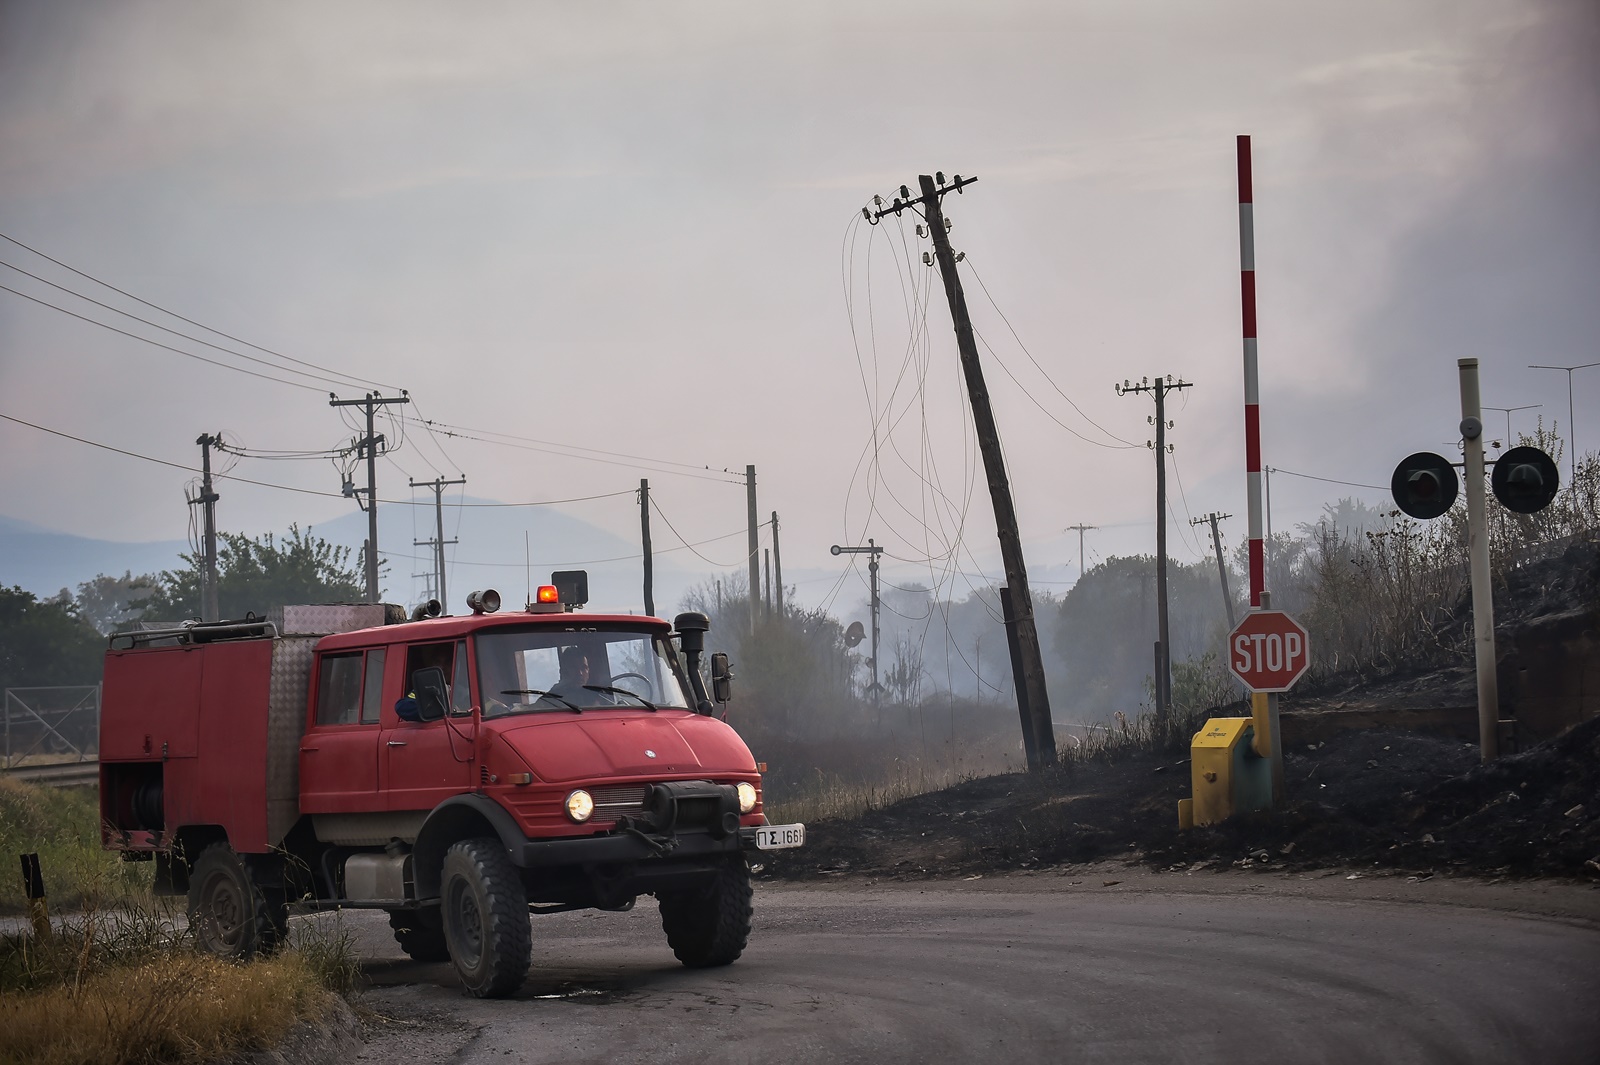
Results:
1508 410
1572 436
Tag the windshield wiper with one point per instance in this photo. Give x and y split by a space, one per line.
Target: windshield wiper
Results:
548 695
609 690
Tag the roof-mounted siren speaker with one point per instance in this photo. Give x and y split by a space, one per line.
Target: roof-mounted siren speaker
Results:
1525 480
1424 485
573 586
431 609
484 602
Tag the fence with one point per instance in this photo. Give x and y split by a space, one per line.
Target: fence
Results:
45 725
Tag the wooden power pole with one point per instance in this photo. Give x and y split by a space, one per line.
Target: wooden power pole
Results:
1163 638
754 540
438 542
371 401
649 555
209 609
1032 698
1222 569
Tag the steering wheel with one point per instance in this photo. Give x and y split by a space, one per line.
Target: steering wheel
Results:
649 688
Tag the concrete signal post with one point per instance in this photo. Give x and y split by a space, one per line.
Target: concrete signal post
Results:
872 551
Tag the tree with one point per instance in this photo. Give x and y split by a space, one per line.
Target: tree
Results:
45 642
257 575
110 602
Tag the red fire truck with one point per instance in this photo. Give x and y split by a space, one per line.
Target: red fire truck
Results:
459 773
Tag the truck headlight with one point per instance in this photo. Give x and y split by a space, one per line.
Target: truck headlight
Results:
747 797
580 806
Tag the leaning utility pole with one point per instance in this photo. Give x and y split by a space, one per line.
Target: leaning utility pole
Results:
209 610
777 564
1080 529
754 540
1222 570
371 401
649 555
1163 640
438 542
767 578
1037 704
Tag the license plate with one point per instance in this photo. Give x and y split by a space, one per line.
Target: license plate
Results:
780 837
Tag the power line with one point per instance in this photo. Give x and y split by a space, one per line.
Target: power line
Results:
1330 480
291 488
613 458
191 321
166 329
158 344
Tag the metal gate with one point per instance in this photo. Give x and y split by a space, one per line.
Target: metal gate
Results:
51 725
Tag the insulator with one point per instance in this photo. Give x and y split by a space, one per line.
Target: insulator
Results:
960 255
878 201
947 225
922 230
927 259
939 176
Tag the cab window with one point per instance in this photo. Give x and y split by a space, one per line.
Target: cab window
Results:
339 689
450 657
372 690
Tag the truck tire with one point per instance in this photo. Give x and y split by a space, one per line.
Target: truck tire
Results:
710 926
486 923
232 912
420 934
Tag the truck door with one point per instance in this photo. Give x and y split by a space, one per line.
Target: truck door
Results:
339 751
425 762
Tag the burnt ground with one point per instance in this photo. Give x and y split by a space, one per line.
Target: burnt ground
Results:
1383 798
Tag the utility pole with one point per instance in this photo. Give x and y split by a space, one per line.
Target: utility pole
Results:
209 610
1222 570
768 579
754 541
777 564
371 401
1080 529
649 555
1508 410
1032 680
437 543
872 551
1159 389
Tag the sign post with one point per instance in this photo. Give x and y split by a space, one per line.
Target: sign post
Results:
1268 651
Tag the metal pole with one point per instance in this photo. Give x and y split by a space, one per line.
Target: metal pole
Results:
1222 570
1478 558
872 570
994 466
1264 713
754 540
777 564
1572 427
1252 388
649 555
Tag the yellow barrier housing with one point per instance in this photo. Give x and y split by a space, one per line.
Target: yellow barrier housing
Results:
1226 774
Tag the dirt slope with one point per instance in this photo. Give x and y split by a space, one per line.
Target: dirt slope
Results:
1381 798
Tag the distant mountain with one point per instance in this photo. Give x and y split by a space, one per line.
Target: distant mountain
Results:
43 561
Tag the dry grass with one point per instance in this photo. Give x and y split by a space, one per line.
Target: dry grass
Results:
63 826
830 795
177 1007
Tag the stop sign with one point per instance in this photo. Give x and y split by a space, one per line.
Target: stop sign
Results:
1268 651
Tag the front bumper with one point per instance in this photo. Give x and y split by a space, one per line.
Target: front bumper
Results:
631 847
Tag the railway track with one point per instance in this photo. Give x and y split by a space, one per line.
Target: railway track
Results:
56 774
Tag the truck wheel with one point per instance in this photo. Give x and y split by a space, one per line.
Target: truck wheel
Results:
231 912
486 923
420 934
710 926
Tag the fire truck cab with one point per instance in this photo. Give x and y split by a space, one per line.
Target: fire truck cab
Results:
459 773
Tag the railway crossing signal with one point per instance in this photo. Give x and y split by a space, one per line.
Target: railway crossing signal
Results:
1525 480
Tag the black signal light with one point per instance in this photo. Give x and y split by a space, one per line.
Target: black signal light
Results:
1525 480
1424 485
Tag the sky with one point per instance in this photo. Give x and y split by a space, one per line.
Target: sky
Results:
634 228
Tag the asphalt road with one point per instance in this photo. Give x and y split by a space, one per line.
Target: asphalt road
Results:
1047 969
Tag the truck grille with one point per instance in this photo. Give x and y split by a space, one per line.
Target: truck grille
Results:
611 803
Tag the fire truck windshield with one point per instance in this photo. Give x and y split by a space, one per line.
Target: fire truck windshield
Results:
544 670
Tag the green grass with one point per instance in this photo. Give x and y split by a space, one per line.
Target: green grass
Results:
61 825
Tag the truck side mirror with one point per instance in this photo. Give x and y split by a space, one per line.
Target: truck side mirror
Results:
432 692
721 678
